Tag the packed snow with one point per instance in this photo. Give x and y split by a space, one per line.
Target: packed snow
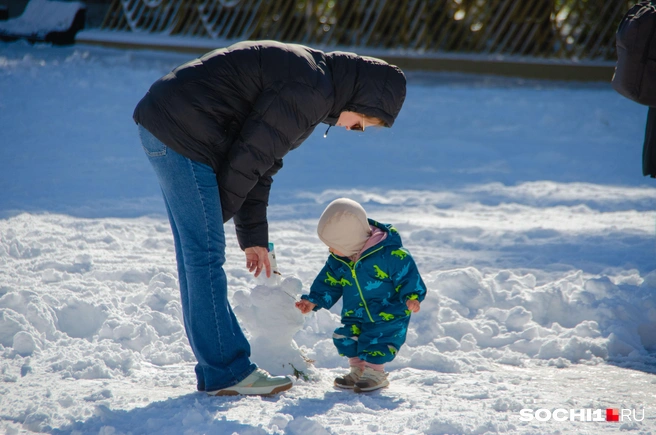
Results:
41 17
522 203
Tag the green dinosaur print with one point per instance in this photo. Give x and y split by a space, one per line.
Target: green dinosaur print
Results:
413 297
407 312
379 273
374 353
344 282
398 287
348 313
400 253
355 330
330 280
392 350
386 317
393 230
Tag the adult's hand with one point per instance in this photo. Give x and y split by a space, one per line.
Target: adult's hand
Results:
257 257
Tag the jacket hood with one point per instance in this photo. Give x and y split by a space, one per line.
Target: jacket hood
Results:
365 85
393 238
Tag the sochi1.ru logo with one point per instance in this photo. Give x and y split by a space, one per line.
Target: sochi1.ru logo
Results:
560 414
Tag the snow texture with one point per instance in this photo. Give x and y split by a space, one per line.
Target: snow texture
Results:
42 17
521 201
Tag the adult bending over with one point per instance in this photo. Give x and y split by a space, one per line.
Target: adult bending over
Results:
215 130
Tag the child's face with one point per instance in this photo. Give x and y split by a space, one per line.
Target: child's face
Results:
351 121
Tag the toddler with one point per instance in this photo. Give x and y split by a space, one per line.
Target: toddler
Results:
380 286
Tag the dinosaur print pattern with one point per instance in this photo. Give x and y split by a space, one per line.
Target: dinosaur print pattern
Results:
372 285
403 271
386 317
347 341
401 253
375 339
330 280
327 300
379 273
334 282
374 353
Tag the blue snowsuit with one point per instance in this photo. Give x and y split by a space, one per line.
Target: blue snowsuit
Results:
374 290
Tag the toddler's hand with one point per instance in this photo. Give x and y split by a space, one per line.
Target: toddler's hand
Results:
413 305
305 306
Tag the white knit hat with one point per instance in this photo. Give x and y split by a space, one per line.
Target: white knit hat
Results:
343 226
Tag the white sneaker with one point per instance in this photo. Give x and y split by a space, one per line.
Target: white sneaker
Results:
260 382
371 380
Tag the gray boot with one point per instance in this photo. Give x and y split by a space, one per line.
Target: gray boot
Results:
371 380
349 380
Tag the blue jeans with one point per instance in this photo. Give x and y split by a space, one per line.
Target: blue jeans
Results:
191 196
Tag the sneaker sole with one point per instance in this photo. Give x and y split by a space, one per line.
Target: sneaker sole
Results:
369 389
345 387
251 391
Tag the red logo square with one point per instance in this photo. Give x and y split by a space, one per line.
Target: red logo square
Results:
612 414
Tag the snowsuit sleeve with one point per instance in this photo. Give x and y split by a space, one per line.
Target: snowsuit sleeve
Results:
279 118
325 290
251 219
405 276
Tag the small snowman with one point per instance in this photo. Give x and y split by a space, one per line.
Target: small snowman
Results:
272 320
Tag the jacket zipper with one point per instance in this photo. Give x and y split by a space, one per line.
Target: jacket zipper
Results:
355 277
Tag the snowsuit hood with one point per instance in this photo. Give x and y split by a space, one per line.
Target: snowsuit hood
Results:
343 225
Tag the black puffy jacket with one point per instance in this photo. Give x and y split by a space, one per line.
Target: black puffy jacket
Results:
240 109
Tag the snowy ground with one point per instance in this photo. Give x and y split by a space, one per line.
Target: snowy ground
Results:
521 201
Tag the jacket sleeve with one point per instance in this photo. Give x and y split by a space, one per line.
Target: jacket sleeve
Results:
325 290
406 277
278 119
251 219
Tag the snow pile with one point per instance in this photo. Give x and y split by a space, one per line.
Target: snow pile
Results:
507 318
97 297
42 17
